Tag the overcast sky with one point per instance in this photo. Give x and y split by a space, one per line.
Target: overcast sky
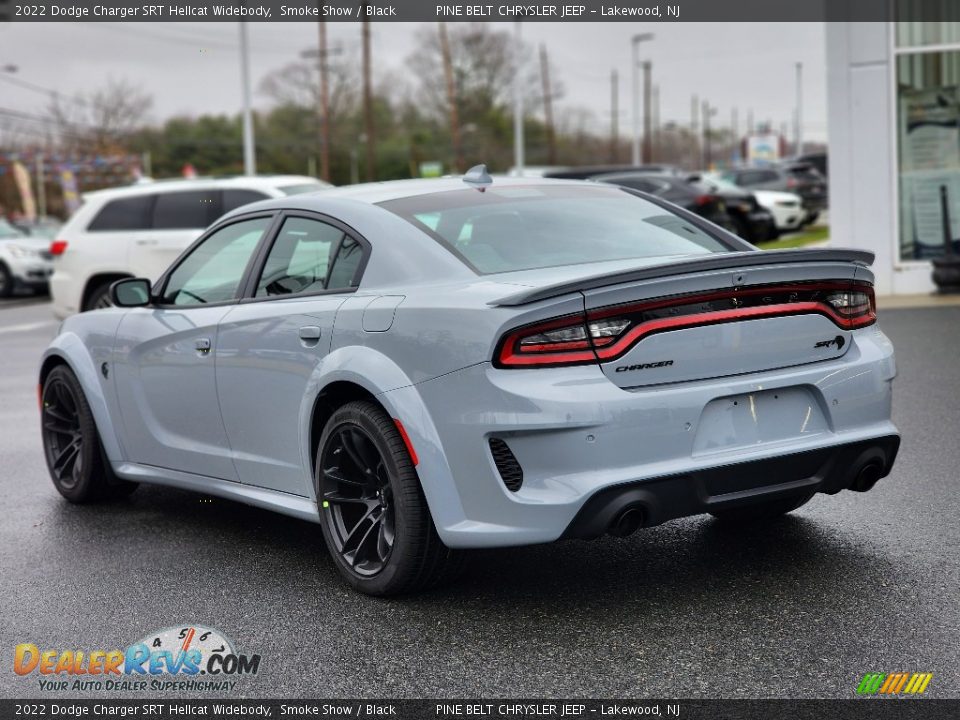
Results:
192 68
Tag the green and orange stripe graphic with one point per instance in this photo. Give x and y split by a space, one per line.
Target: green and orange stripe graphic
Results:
894 683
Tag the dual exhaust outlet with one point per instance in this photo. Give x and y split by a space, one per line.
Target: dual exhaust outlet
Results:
631 518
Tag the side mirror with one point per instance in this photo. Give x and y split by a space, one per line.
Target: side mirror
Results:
130 292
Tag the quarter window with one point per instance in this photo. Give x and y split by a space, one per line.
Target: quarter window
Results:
212 272
309 256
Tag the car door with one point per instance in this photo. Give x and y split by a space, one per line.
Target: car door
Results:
269 346
177 219
163 366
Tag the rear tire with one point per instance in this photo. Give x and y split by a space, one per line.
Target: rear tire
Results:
373 513
99 298
71 444
761 512
6 282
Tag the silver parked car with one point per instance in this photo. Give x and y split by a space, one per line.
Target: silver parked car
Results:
25 261
425 366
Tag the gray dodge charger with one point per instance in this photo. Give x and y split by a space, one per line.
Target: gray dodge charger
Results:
426 366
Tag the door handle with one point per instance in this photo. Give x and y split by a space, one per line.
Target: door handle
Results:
146 242
202 345
310 333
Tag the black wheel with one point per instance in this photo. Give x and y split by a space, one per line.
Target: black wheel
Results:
71 443
99 298
6 282
373 513
741 228
761 512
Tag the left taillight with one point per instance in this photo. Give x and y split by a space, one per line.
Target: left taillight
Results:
568 340
57 247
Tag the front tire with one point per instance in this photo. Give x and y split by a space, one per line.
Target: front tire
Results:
6 282
373 513
71 443
760 512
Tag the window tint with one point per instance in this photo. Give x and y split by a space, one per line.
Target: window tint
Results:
309 256
232 199
213 270
520 228
192 210
132 213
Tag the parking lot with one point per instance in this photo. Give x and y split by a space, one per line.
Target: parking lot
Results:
803 607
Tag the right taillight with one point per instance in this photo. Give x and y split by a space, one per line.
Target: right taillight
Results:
853 308
57 247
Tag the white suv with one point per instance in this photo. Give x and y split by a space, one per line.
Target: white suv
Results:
139 230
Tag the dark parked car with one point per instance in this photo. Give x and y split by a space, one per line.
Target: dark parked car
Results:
734 209
796 177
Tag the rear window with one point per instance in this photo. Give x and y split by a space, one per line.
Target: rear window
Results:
805 172
132 213
527 227
232 199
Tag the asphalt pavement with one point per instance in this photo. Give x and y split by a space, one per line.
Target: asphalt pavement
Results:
849 584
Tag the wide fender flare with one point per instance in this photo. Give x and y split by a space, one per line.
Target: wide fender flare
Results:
71 349
393 389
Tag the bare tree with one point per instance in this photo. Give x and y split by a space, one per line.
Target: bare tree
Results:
102 120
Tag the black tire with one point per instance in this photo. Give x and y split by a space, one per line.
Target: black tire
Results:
761 512
6 282
99 297
373 513
741 228
71 443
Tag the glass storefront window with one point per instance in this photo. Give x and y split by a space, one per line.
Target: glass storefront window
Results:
928 139
917 33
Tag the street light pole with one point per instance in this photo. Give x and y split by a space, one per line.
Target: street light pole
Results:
799 136
635 42
517 102
249 154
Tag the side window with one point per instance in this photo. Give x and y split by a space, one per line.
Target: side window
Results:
232 199
132 213
213 270
191 210
309 256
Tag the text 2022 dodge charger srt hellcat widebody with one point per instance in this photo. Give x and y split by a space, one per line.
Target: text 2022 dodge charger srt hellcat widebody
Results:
427 366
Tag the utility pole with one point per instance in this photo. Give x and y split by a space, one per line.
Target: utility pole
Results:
324 99
548 106
656 124
451 99
368 100
614 116
647 127
635 44
799 136
695 131
41 187
707 113
517 101
249 152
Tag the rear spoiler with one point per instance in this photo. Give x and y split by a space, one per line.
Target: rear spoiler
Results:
719 261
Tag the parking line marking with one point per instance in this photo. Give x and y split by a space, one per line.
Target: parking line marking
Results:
27 326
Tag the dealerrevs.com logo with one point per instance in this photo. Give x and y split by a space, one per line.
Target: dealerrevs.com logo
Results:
177 658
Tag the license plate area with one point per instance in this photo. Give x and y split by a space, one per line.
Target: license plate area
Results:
757 418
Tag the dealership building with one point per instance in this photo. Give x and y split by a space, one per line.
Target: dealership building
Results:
893 92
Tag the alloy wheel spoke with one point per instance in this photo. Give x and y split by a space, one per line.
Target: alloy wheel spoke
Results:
348 438
339 499
335 474
59 426
67 456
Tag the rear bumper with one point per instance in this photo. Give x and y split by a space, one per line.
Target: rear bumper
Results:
575 434
853 466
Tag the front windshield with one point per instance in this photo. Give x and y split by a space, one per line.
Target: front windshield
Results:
526 227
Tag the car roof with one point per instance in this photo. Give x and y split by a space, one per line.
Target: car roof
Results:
379 192
240 182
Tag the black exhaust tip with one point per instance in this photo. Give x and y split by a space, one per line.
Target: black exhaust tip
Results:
627 522
868 476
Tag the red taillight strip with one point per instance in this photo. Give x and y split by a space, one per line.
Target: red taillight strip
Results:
651 327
